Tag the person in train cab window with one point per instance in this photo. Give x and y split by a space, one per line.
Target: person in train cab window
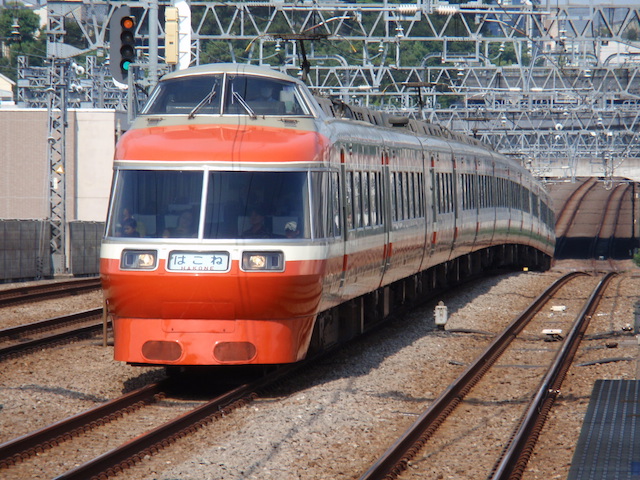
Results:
257 228
129 228
126 215
291 230
185 227
266 93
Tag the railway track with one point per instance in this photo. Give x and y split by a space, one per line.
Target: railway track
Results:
32 293
123 463
397 458
23 338
596 223
17 452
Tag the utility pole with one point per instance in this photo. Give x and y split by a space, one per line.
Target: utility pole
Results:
56 139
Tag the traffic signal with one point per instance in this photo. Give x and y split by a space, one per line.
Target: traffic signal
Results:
122 39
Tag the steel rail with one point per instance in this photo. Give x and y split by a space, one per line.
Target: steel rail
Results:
27 445
397 457
45 290
48 325
10 332
516 456
128 454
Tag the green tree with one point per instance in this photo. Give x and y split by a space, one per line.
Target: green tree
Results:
29 40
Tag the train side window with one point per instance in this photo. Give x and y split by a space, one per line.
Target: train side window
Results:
411 204
408 186
445 193
399 196
465 191
365 199
485 193
504 202
404 185
536 204
335 219
438 189
474 191
375 198
488 197
325 207
357 207
348 198
394 197
448 189
421 193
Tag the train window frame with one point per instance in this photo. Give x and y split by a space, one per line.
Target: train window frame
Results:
186 107
375 198
325 215
357 198
308 107
406 195
399 197
394 196
366 207
251 104
348 198
278 210
418 193
124 196
336 211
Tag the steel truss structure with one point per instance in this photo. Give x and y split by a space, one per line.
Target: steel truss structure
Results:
555 84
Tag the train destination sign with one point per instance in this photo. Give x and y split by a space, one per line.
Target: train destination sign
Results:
198 262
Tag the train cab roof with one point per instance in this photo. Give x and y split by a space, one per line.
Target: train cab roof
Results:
231 68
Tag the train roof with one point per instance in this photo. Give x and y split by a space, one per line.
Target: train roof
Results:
231 68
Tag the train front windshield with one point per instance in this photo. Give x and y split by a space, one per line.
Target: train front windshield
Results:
243 95
169 204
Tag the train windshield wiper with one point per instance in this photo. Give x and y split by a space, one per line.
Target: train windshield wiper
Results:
205 101
244 104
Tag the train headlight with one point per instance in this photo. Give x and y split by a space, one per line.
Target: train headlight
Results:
263 261
138 260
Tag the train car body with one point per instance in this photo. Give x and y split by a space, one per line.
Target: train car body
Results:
251 222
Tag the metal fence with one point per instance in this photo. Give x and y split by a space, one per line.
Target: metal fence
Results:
25 251
85 247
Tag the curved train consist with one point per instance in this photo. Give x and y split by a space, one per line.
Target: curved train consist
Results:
251 222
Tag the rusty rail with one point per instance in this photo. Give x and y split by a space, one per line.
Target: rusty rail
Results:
397 457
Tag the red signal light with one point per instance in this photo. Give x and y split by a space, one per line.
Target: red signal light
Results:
127 23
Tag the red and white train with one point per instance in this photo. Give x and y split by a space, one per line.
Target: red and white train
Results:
252 223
